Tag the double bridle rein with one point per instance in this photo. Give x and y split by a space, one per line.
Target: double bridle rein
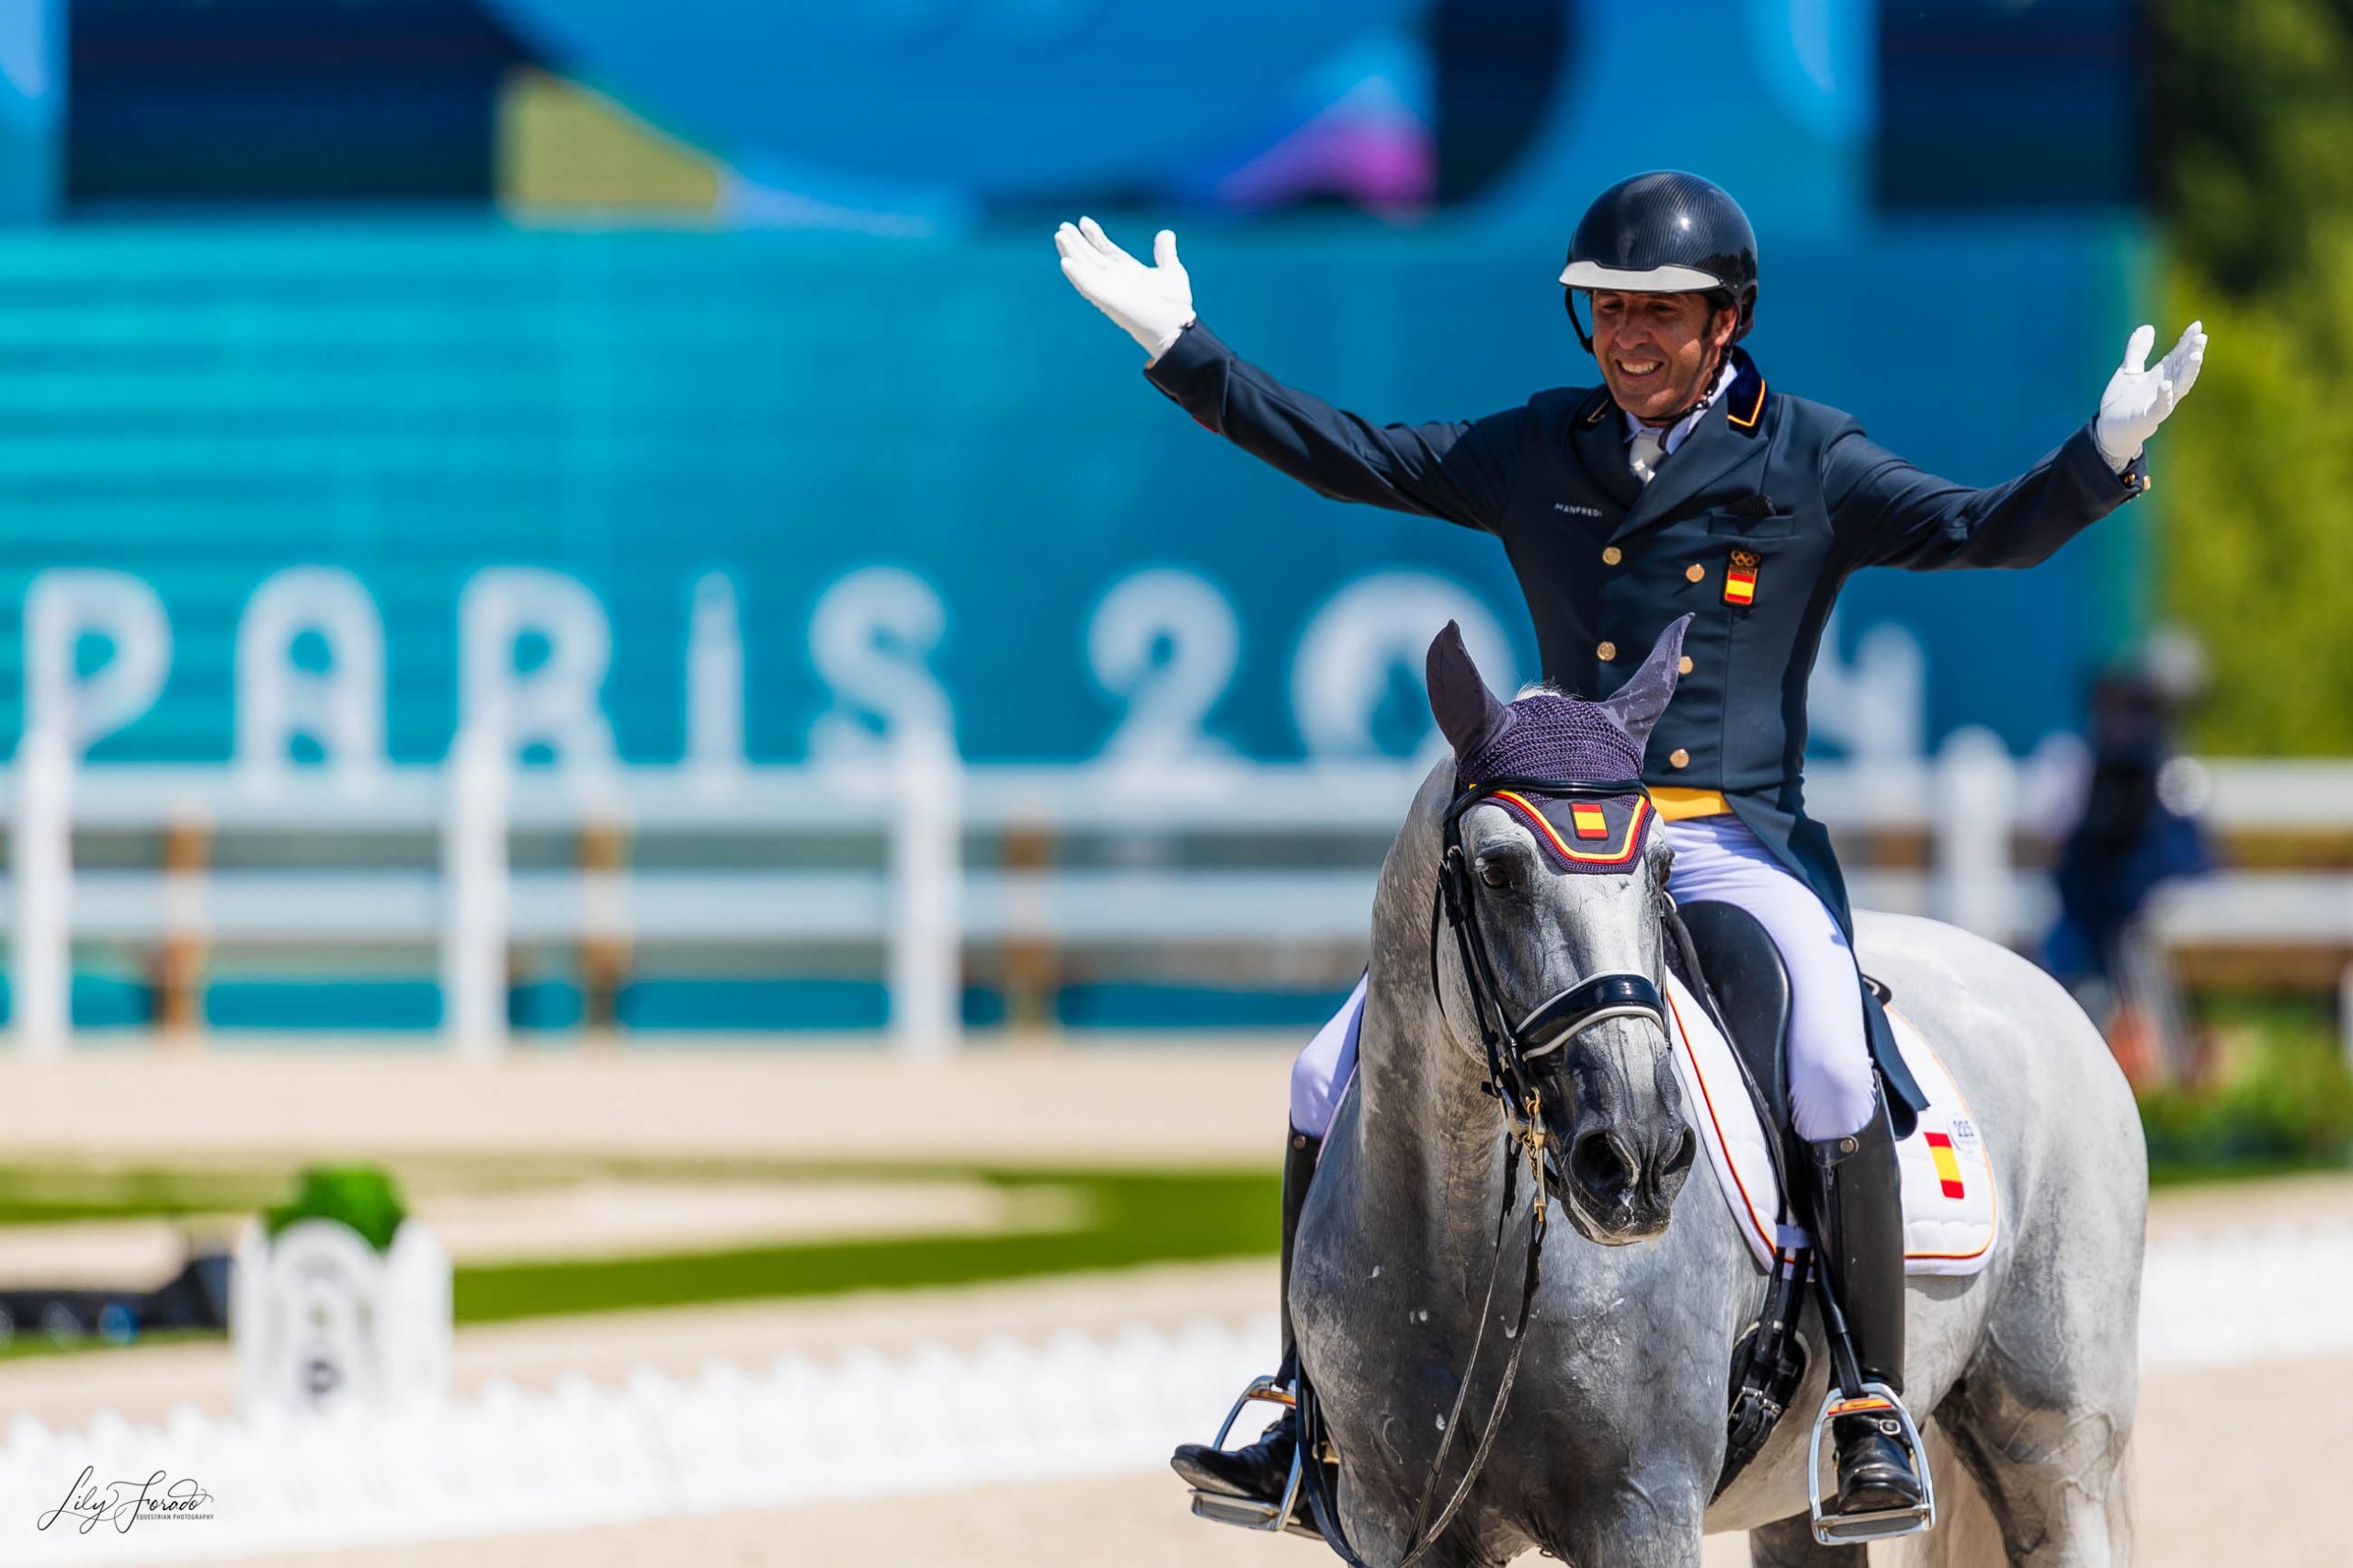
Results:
1509 1048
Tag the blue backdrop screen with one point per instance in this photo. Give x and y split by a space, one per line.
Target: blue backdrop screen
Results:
894 486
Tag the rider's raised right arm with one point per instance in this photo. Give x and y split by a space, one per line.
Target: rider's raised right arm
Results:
1461 471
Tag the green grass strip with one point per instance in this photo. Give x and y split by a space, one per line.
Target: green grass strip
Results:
34 1195
1131 1218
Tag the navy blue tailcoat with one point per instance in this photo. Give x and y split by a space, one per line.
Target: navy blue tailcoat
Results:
1751 525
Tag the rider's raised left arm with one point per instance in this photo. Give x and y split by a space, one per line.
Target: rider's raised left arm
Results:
1888 513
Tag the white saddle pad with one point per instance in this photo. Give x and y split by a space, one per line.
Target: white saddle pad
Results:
1948 1201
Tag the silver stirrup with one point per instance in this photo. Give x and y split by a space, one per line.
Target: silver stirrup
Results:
1249 1513
1878 1524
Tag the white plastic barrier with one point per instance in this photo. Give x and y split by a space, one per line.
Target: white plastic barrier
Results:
584 1453
2264 1294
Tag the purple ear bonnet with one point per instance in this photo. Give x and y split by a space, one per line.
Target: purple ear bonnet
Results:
1549 737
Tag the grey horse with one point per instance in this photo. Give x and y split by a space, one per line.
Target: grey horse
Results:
1612 1443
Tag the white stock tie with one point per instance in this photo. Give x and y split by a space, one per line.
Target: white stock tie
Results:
1642 453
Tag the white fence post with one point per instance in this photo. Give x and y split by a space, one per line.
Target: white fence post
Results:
473 880
1976 789
926 892
42 946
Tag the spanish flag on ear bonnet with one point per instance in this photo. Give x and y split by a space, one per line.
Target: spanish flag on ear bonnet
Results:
1548 735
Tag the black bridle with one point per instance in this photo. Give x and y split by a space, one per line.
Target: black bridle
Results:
1561 1017
1509 1049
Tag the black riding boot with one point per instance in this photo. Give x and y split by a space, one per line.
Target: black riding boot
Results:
1859 1239
1262 1470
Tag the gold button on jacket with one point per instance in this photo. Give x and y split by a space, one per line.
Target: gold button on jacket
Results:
1607 652
1679 757
1684 664
1694 572
1612 555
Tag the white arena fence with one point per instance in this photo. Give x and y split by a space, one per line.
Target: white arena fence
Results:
653 1447
924 903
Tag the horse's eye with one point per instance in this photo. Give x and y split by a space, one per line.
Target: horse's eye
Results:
1493 872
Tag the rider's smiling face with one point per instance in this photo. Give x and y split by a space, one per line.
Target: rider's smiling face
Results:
1658 350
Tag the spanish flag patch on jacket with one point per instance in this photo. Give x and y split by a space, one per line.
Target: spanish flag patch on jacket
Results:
1740 582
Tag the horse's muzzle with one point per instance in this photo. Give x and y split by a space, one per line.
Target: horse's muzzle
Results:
1622 1177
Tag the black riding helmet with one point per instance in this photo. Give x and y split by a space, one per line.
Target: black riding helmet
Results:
1665 233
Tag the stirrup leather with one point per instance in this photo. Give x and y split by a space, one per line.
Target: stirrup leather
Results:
1250 1513
1878 1524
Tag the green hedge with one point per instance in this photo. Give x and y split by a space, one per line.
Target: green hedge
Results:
2280 1095
2255 476
361 1197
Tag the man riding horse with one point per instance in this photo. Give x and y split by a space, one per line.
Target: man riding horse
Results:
1682 485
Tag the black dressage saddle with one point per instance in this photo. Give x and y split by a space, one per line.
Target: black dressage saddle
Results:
1751 987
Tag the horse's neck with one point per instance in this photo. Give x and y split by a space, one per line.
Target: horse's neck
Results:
1428 1135
1429 1138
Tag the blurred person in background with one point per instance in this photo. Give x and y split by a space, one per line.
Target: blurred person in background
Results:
1680 487
2138 829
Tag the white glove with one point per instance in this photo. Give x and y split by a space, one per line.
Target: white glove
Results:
1154 303
2138 399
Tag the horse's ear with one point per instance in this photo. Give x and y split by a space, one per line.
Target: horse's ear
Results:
1466 711
1637 705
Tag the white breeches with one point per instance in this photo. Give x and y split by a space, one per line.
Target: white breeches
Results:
1322 1069
1719 858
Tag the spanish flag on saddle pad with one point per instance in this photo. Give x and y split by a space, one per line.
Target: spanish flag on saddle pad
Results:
1948 1167
1950 1205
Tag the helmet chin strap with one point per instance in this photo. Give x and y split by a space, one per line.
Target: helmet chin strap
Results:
1569 303
1707 386
1715 372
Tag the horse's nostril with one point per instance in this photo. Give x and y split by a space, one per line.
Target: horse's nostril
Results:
1687 1148
1603 1166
